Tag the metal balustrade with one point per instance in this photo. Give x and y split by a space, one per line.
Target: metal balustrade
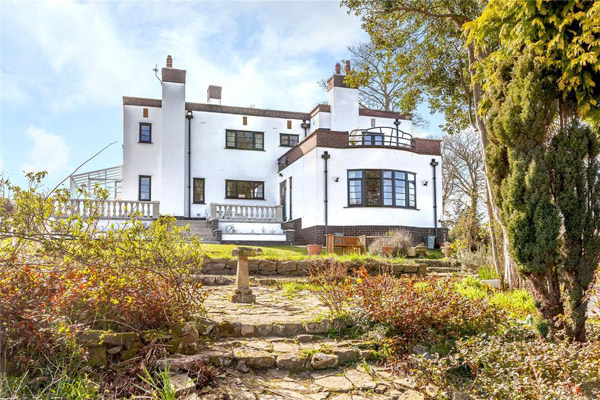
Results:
384 136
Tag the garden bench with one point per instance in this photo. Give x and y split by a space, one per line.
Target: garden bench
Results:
348 244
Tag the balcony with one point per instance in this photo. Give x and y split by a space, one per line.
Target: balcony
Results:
245 213
108 209
383 136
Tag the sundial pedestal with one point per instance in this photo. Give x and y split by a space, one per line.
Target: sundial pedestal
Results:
242 292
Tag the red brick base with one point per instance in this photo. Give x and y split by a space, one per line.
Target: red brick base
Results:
316 234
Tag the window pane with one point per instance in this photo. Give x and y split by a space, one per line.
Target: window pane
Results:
373 192
294 140
145 188
411 194
258 141
387 174
374 174
285 140
244 190
244 140
145 135
387 192
230 139
198 191
400 175
258 192
231 192
355 174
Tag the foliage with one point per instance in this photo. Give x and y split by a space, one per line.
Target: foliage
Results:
487 272
542 159
400 240
160 385
516 303
61 272
331 284
474 260
423 309
516 365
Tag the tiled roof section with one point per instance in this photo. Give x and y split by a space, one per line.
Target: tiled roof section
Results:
432 147
320 108
139 101
339 140
173 75
367 112
258 112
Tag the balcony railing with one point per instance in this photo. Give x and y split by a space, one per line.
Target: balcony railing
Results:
381 136
245 213
108 209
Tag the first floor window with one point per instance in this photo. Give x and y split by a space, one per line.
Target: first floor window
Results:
381 188
244 140
287 140
145 188
372 139
244 190
145 132
198 191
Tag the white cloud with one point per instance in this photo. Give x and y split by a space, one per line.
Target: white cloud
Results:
48 152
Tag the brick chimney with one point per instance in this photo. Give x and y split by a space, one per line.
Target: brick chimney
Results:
213 94
347 67
169 62
338 69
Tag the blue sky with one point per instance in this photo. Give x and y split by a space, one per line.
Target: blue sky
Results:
64 67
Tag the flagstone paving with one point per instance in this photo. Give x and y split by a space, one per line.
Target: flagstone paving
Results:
279 348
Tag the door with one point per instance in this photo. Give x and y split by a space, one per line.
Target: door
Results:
282 191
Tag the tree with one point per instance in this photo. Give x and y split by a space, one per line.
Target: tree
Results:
543 156
464 183
430 33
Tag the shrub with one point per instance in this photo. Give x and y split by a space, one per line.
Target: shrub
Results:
514 366
423 309
330 283
400 240
474 260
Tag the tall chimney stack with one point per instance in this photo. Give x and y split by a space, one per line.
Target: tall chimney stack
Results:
347 67
169 62
338 69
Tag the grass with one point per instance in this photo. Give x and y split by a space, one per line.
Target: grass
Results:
291 289
518 303
298 253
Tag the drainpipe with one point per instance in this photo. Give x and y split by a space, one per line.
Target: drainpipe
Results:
189 115
326 157
434 164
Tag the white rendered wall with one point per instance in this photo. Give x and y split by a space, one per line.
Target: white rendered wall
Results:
272 228
322 120
311 174
141 158
344 109
215 163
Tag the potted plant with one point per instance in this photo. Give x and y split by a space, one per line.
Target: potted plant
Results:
313 249
446 249
388 251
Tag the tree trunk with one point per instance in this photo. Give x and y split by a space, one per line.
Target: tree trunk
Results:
510 276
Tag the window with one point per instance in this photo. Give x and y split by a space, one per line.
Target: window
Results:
244 190
287 140
145 132
244 140
145 191
198 196
372 139
381 188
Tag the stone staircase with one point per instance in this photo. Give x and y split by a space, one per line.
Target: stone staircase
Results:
199 228
281 348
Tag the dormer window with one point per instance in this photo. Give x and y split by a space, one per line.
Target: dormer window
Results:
145 132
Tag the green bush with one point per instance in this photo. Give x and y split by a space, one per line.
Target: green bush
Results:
514 366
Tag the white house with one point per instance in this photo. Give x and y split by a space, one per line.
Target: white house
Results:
255 175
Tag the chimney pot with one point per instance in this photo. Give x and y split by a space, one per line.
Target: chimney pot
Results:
338 68
347 67
213 94
169 62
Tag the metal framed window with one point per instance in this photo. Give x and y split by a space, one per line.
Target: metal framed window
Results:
288 140
244 190
244 140
381 188
145 188
145 132
198 194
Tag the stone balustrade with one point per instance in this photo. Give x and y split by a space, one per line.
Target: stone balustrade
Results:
245 213
108 209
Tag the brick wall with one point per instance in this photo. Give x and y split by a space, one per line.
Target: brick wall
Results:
316 234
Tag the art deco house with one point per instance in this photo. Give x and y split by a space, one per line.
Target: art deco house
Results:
250 175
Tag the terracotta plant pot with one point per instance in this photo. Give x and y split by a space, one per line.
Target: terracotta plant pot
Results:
387 251
314 249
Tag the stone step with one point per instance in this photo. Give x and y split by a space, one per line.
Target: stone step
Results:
259 329
303 353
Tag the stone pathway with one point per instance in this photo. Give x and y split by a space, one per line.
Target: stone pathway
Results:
278 348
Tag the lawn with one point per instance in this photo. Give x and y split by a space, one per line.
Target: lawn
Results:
297 253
